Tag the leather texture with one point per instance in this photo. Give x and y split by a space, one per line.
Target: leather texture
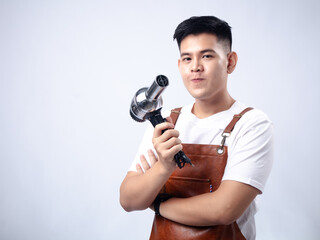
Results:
235 119
190 181
204 177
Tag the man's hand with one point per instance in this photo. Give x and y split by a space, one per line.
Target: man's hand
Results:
166 144
144 163
139 189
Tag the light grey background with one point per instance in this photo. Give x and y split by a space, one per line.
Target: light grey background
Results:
68 72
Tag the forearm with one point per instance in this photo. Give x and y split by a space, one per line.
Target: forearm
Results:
202 210
221 207
138 191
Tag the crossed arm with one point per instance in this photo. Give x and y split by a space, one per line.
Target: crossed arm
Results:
139 189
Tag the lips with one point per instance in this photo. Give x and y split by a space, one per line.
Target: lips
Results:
196 80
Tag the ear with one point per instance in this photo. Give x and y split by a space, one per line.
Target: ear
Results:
232 61
179 63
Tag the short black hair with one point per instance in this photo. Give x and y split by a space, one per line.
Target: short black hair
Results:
204 24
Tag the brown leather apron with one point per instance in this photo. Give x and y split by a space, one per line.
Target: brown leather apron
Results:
209 164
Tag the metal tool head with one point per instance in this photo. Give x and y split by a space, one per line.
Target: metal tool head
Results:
147 100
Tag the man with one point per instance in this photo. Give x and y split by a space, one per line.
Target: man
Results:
229 144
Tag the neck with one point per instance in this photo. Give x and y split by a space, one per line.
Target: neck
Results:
205 108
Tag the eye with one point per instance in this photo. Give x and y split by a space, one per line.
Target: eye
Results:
207 56
186 59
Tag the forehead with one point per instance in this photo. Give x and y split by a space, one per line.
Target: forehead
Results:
198 42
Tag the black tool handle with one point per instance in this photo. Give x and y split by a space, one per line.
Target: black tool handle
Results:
155 118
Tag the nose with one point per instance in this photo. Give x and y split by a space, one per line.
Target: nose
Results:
196 66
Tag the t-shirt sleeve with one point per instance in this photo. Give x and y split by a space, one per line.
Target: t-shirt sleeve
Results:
251 154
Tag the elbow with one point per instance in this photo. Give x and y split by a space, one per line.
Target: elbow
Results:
131 200
217 218
129 204
125 205
125 199
126 202
227 217
220 214
227 220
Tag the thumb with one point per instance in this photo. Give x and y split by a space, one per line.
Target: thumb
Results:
169 119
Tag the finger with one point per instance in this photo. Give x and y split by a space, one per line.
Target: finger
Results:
158 130
171 133
169 119
172 142
139 169
152 156
173 151
144 163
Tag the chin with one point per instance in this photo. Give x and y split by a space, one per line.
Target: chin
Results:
197 94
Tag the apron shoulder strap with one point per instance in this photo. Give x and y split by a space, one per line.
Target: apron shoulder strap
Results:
235 119
175 114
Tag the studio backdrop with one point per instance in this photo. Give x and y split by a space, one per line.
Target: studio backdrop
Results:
68 72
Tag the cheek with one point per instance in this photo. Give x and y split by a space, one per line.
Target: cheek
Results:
184 74
219 70
182 69
185 82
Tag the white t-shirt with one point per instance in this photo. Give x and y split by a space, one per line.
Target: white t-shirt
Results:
250 148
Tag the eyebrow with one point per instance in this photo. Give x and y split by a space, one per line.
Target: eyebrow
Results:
202 51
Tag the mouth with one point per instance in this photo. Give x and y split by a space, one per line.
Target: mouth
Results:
196 80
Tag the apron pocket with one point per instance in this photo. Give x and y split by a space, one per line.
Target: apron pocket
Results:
187 187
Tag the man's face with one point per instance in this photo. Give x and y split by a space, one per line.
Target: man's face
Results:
203 66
